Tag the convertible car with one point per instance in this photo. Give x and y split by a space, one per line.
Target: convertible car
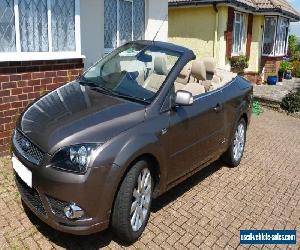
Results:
93 153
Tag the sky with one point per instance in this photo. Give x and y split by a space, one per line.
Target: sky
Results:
295 27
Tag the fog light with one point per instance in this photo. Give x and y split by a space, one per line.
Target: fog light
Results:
73 211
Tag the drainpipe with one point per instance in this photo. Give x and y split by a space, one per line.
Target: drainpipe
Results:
216 30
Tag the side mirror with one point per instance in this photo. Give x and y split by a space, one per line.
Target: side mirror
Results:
184 98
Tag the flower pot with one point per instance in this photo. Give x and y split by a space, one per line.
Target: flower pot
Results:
239 71
287 75
280 76
272 80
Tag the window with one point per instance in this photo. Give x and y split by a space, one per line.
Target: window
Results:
124 20
282 36
29 27
275 36
239 33
7 26
33 23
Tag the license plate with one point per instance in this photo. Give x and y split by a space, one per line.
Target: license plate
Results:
23 172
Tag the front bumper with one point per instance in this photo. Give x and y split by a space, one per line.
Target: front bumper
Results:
52 190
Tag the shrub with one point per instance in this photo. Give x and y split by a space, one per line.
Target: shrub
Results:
293 45
286 66
239 63
291 103
296 56
296 69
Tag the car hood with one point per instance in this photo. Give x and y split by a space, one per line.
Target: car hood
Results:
74 114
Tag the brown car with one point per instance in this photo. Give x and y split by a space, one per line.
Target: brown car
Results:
96 151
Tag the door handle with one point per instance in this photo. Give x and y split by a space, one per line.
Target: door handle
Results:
218 108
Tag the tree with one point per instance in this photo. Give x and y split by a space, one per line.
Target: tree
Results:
293 45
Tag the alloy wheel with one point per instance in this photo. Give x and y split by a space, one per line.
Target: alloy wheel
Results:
239 142
141 200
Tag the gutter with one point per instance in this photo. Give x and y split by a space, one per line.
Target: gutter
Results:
234 3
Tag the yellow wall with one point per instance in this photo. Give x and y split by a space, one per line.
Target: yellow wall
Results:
196 29
255 52
193 28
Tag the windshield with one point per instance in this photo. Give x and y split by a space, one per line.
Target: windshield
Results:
134 71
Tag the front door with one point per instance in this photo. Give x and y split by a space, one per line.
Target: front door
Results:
195 134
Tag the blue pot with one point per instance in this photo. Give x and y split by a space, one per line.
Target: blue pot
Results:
272 80
287 75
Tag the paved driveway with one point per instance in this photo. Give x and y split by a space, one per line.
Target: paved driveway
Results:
206 211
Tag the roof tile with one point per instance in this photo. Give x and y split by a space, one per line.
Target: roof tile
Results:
258 5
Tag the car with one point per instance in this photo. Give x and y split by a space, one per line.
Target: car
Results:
95 152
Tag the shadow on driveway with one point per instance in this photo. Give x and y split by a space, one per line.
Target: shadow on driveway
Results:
104 238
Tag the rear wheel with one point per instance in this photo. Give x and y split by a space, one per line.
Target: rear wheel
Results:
234 154
132 205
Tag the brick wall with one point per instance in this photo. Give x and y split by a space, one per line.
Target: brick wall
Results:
22 82
252 77
270 64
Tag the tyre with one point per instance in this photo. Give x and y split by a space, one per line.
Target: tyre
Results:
132 205
234 154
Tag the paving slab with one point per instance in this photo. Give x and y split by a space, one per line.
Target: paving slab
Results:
204 212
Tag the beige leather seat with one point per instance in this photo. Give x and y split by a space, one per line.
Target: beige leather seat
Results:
214 80
183 78
210 66
158 76
198 74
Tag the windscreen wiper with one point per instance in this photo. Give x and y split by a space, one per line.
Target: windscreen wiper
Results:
133 98
96 87
88 83
118 94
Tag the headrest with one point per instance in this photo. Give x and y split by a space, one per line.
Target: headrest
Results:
198 70
160 65
184 75
210 64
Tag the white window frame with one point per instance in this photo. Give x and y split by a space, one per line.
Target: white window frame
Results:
274 54
243 36
108 50
50 55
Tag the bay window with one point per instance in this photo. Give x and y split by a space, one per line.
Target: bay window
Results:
124 20
275 36
239 34
37 29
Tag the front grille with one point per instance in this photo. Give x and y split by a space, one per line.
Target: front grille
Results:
57 206
27 149
30 195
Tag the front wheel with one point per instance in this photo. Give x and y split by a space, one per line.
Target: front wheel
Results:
132 205
234 154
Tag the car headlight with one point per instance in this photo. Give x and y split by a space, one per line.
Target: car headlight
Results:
74 158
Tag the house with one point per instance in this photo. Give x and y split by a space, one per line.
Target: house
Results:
227 28
45 43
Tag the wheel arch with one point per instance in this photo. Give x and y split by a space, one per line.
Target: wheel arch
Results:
245 117
155 168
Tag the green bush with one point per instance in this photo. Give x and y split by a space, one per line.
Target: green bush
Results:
296 56
291 103
239 63
286 66
296 68
293 45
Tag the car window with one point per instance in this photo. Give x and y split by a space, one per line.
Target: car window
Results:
138 71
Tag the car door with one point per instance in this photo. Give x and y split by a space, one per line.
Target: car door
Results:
195 134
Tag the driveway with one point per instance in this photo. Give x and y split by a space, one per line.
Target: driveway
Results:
206 211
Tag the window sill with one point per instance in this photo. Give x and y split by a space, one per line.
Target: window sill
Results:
273 56
36 56
238 54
